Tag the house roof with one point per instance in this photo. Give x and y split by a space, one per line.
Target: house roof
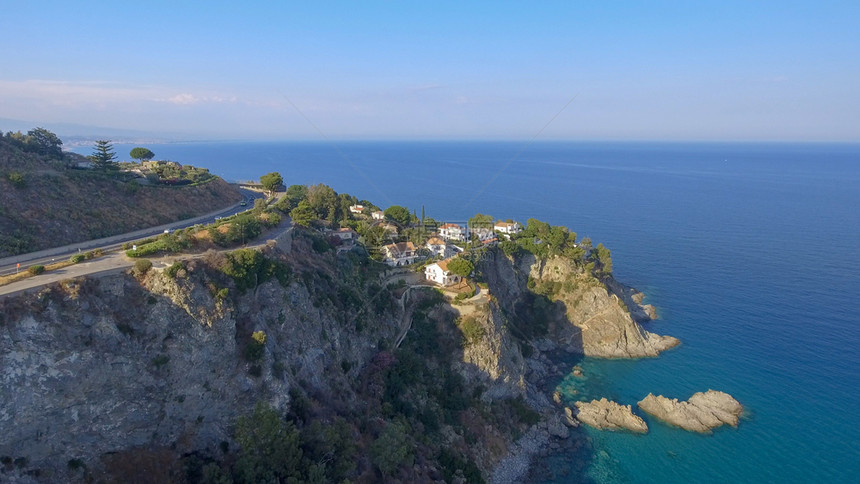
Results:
443 264
435 241
450 226
506 224
345 229
401 247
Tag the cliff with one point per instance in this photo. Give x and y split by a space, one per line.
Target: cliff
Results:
556 300
106 375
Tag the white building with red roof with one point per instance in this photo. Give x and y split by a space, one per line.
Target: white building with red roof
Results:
438 272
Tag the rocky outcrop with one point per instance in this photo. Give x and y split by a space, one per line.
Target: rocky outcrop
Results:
701 413
583 314
609 415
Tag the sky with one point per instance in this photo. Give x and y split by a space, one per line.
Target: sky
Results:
571 70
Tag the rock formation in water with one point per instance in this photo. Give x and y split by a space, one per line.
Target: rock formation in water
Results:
575 310
701 413
609 415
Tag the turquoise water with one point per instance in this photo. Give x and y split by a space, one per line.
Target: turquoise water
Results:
749 251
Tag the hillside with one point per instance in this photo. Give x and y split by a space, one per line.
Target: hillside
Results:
46 202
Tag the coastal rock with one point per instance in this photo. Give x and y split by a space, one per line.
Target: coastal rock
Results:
570 418
701 413
606 414
590 316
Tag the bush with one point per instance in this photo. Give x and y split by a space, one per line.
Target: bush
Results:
17 179
77 258
142 266
255 348
36 269
174 269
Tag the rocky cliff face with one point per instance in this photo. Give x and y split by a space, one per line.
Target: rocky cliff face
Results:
571 307
106 364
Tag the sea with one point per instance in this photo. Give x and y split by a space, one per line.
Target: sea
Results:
750 252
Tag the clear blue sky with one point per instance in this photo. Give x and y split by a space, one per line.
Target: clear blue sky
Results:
679 70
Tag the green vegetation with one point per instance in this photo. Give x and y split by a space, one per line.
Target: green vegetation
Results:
602 256
460 266
103 156
398 214
36 269
256 346
141 154
271 181
249 268
392 449
142 266
472 330
77 258
17 179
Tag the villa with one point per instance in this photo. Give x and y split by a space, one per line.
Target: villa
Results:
438 272
438 247
452 232
399 254
356 209
377 215
508 228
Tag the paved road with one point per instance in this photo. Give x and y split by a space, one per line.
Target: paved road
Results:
47 256
117 262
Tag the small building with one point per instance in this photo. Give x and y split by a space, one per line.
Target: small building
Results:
483 234
438 272
508 228
390 228
356 209
399 254
377 215
439 248
345 234
452 232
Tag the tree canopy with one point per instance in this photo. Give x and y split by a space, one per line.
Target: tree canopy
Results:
103 155
45 142
460 266
303 214
141 154
398 214
271 181
482 221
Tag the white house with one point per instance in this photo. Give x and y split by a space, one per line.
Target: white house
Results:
399 254
439 273
508 228
357 209
483 234
377 215
438 247
452 232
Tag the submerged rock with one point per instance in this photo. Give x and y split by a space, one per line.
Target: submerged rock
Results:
606 414
701 413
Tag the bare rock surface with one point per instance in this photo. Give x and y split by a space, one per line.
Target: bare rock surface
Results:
701 413
606 414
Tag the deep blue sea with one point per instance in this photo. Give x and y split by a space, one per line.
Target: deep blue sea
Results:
751 253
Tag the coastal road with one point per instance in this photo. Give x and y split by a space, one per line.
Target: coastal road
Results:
118 261
9 265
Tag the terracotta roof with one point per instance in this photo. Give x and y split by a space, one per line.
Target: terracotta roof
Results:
435 241
401 247
505 224
345 229
450 226
443 264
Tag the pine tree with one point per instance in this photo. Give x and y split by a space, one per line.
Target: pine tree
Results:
103 155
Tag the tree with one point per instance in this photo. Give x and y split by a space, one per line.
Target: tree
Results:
296 193
272 181
392 449
103 155
324 201
270 447
45 143
141 154
303 214
460 266
399 214
603 255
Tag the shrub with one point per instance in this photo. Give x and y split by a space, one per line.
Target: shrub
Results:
174 269
142 266
36 269
77 258
17 179
255 348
